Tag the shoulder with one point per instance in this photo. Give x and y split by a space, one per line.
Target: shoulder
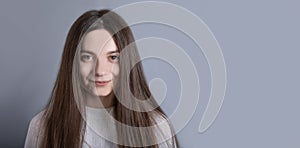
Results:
161 120
37 118
35 122
33 130
162 129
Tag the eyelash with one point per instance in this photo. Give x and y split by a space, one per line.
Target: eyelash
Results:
113 58
83 57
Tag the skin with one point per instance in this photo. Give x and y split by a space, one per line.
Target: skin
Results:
99 61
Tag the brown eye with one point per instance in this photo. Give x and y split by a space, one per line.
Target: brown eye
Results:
114 58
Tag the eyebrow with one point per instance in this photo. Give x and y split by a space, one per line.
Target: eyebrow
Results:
86 51
111 52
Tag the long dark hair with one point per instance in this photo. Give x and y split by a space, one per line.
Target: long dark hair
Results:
63 125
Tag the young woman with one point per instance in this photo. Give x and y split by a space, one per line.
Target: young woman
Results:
100 97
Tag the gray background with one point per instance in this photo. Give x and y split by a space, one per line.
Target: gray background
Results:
259 40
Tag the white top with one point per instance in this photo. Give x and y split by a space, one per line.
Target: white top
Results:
98 127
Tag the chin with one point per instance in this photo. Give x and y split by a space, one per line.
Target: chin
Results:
102 93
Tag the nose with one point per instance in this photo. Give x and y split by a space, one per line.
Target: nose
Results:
101 67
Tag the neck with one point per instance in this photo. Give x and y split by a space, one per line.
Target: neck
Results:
100 101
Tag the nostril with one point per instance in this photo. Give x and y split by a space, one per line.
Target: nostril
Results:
100 74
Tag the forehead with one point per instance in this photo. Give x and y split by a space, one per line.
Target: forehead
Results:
97 41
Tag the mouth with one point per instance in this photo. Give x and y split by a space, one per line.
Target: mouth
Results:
101 83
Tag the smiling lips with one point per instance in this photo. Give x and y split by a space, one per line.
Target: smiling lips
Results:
101 83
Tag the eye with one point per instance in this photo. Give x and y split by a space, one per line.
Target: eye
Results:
87 58
114 58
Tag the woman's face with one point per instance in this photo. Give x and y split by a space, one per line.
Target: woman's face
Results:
99 62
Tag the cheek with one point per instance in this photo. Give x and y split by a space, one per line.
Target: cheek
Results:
115 70
85 69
